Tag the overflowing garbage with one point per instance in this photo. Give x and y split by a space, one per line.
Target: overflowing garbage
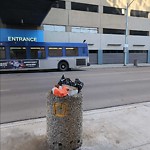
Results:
64 115
66 86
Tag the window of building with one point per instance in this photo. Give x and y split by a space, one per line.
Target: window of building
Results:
2 53
112 51
138 13
84 30
54 28
71 51
18 53
93 51
59 4
37 53
55 51
113 10
137 51
84 7
113 31
141 33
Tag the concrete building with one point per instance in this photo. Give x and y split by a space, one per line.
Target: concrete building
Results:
100 23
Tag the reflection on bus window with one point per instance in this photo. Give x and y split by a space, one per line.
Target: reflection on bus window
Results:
2 53
38 53
71 51
55 51
17 53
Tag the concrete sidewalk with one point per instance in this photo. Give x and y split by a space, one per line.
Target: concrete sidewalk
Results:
118 128
117 65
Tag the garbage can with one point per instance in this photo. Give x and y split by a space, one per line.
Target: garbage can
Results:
64 122
135 62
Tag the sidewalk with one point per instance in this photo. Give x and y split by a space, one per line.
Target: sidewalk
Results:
117 65
118 128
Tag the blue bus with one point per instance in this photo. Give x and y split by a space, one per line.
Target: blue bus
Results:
42 55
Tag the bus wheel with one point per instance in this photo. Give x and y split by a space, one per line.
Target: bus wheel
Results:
63 66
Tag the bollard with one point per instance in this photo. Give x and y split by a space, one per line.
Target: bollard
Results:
135 62
64 122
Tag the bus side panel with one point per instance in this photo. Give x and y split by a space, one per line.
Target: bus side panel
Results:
49 63
52 63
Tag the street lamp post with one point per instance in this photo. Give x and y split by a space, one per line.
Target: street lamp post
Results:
126 33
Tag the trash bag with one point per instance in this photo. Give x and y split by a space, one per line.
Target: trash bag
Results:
60 91
77 83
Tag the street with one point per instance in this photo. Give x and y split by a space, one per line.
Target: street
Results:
24 95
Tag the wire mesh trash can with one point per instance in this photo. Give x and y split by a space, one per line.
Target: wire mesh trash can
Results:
64 122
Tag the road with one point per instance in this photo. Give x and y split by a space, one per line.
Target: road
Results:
24 95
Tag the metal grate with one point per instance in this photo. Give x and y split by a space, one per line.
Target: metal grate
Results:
80 62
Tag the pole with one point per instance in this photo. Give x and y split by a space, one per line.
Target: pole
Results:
126 34
126 37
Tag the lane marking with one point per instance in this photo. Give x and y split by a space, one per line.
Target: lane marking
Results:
5 90
146 79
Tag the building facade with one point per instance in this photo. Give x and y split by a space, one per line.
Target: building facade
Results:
100 23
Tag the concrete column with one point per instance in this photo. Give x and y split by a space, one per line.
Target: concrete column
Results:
101 19
128 57
148 56
100 57
68 8
68 5
68 29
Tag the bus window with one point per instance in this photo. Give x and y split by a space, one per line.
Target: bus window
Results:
70 51
17 53
2 53
38 53
55 51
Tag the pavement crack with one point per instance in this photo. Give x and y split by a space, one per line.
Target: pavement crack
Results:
138 146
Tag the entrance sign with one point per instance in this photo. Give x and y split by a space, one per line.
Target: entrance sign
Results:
24 39
21 35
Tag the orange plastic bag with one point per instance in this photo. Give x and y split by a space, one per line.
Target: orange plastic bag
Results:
60 91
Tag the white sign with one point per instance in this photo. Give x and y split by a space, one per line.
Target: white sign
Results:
23 39
126 45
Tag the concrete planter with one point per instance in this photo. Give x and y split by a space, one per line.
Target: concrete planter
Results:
64 122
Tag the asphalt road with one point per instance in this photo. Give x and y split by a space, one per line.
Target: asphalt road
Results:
24 95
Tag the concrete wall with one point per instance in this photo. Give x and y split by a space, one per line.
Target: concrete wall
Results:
100 41
71 18
82 18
